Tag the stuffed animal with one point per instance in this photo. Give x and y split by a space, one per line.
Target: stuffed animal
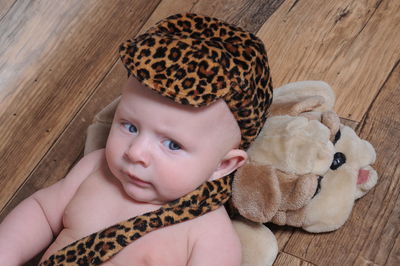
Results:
305 169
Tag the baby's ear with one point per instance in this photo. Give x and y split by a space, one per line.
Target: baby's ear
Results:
234 159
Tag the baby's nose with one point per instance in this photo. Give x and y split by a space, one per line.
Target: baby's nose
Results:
138 152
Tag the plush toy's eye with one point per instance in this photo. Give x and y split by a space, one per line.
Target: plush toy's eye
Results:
337 137
318 186
338 159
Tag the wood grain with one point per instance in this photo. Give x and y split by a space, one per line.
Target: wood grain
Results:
69 146
289 260
352 45
381 127
248 14
58 67
53 56
5 6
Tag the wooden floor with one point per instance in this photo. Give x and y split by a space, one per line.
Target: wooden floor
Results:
59 66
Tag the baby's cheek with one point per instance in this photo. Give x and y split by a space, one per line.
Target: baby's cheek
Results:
177 183
179 177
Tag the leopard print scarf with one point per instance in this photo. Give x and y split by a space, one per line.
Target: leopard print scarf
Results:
99 247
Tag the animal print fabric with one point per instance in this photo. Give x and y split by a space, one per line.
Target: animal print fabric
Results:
196 60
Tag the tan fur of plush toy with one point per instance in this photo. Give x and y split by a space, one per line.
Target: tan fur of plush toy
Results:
259 245
298 150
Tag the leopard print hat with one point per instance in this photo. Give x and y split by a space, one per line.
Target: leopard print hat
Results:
196 60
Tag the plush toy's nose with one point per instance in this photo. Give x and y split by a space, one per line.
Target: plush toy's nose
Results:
366 179
363 176
338 159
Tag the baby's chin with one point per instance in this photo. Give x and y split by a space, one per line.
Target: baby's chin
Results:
149 195
143 199
154 202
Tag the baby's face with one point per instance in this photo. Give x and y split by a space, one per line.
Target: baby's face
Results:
160 150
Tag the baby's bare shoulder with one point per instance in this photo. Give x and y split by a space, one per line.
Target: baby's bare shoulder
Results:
81 170
54 199
93 160
85 166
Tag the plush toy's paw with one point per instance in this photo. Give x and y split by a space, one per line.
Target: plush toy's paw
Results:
367 179
259 245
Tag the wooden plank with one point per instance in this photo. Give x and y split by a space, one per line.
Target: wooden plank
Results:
393 257
381 127
69 146
352 45
371 235
285 259
282 233
248 14
5 6
53 56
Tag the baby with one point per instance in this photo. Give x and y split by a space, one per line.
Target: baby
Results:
197 96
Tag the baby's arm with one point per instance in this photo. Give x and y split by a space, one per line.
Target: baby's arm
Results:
217 245
31 226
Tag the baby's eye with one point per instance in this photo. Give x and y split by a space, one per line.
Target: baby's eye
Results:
131 128
171 145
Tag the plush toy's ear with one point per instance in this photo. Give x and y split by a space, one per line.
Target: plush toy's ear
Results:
97 132
297 190
332 121
295 107
256 193
303 96
329 119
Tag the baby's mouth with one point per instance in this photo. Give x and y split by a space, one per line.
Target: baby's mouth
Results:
137 181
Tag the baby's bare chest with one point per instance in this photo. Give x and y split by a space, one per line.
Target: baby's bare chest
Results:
100 203
166 246
163 247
